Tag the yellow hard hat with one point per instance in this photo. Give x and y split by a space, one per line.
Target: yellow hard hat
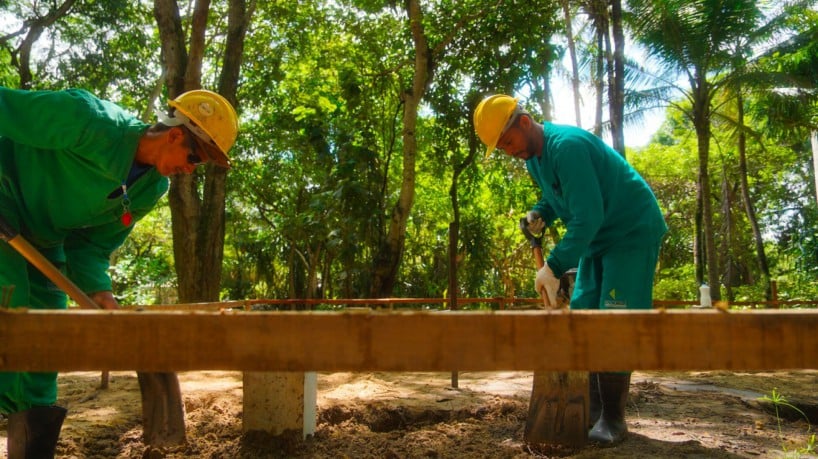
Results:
491 117
211 118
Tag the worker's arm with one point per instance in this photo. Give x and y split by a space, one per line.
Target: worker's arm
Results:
87 255
583 199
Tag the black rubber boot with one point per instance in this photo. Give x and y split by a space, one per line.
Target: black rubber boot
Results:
595 402
33 433
611 428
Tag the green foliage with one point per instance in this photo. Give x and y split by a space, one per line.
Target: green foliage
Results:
142 269
8 76
676 283
106 47
318 163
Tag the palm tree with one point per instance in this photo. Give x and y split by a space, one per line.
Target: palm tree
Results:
796 107
749 74
606 17
697 39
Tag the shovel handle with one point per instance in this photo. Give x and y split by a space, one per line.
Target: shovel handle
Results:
30 253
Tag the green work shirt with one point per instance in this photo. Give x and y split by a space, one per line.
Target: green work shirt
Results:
65 157
600 198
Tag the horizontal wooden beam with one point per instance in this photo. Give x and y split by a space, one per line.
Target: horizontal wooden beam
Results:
408 341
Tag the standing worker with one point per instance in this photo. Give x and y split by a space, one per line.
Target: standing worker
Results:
76 172
614 228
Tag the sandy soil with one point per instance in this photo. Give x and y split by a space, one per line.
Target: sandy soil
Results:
419 415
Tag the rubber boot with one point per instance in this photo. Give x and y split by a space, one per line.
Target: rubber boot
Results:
611 428
33 433
595 402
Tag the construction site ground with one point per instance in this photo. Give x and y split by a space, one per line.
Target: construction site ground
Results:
420 415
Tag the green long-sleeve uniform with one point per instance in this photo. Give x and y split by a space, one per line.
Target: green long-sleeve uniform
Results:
67 176
606 206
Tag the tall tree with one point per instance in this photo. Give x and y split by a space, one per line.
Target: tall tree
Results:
426 55
572 52
608 66
617 89
695 38
389 253
196 200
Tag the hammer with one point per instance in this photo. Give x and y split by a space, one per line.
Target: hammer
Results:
566 280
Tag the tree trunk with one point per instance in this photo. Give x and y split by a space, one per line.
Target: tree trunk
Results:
617 96
728 232
698 250
574 66
609 60
388 258
814 144
599 78
763 266
542 93
701 122
197 218
454 226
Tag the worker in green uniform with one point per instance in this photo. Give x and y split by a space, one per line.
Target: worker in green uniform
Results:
614 228
76 173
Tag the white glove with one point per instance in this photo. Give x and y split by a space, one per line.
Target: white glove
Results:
547 281
535 222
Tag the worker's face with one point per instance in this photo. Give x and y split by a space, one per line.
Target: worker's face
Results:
516 140
181 155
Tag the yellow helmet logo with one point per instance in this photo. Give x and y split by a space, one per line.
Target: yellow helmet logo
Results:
491 117
212 118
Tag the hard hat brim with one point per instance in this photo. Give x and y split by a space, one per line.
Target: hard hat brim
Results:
489 151
213 153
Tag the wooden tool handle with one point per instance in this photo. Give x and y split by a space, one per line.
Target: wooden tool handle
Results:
540 263
16 241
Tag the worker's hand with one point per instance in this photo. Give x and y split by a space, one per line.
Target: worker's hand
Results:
105 299
547 281
535 222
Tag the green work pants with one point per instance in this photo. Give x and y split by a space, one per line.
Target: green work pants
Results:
621 278
20 391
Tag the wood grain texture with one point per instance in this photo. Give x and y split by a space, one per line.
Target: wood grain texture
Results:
558 410
408 341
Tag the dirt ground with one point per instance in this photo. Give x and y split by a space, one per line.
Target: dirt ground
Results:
420 415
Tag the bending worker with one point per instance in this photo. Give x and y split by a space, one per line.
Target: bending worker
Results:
76 172
614 228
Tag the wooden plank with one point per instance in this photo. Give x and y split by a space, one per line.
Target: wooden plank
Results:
408 341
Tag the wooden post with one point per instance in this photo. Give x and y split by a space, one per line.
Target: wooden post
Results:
453 282
558 411
280 403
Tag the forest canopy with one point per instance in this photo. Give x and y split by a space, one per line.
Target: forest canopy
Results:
357 172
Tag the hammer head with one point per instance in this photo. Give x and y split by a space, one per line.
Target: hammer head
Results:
567 282
535 241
